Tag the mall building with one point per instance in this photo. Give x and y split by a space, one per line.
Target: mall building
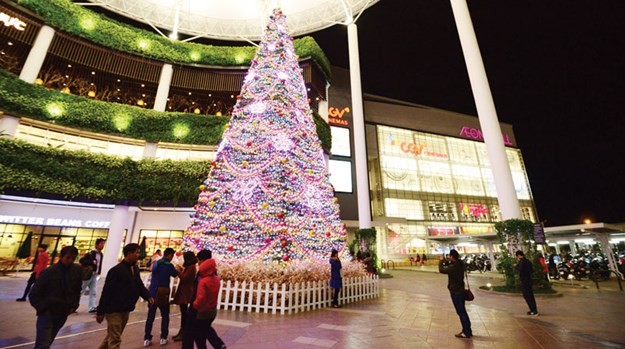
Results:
431 186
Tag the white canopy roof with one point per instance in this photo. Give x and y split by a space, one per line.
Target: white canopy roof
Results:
239 20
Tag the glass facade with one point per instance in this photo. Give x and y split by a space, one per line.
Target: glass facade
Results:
13 235
442 186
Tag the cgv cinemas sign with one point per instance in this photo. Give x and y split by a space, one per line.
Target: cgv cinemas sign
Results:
336 116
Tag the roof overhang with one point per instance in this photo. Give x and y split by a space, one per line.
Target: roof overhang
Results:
238 20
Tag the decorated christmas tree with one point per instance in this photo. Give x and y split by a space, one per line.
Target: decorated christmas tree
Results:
267 196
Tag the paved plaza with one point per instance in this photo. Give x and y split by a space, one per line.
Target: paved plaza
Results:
414 310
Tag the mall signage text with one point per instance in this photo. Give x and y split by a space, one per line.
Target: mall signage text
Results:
335 116
60 222
420 149
476 133
14 22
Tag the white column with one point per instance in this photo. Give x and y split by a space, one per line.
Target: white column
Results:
8 125
360 145
149 150
160 102
37 54
114 240
508 202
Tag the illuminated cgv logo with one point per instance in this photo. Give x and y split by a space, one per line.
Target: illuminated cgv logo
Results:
416 149
474 133
335 116
14 22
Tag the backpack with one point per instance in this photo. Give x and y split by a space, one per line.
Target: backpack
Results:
87 273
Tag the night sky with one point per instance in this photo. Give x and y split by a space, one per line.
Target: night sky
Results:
557 73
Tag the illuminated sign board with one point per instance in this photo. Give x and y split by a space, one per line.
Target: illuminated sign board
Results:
417 149
475 210
340 141
14 22
335 116
60 222
341 175
475 133
442 231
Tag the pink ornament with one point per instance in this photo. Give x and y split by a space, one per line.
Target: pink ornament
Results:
285 257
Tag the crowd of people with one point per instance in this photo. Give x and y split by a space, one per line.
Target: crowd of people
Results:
55 293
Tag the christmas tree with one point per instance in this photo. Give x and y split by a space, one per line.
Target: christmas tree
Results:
267 195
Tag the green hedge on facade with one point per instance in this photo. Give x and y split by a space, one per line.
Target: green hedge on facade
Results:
20 98
79 21
80 175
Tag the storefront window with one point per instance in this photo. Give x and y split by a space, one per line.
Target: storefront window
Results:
160 240
12 236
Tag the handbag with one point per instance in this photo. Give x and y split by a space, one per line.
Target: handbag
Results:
468 295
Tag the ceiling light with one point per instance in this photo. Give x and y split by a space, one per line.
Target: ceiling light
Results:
92 73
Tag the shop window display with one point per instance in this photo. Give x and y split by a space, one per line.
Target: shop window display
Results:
160 240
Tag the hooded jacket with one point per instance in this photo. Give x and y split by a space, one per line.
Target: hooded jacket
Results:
208 287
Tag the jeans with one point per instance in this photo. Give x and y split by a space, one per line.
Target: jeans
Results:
164 308
528 294
48 325
92 284
198 331
458 300
115 324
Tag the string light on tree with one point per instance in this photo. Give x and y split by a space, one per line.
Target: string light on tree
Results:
267 195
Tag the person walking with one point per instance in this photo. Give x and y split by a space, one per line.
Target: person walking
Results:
336 280
162 271
203 309
122 289
94 260
41 262
524 267
55 295
455 273
185 289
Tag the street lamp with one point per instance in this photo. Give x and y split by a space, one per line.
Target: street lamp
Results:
587 221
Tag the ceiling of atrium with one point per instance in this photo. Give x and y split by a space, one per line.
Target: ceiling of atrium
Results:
237 20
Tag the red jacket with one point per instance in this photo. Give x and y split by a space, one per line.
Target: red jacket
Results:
207 287
42 262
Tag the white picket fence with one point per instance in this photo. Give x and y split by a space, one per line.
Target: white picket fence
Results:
288 299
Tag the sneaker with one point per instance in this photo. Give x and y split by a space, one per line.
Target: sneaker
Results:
462 335
164 341
532 313
147 343
93 310
21 300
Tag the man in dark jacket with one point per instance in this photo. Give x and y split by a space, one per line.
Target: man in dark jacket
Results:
455 284
524 267
56 294
122 289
